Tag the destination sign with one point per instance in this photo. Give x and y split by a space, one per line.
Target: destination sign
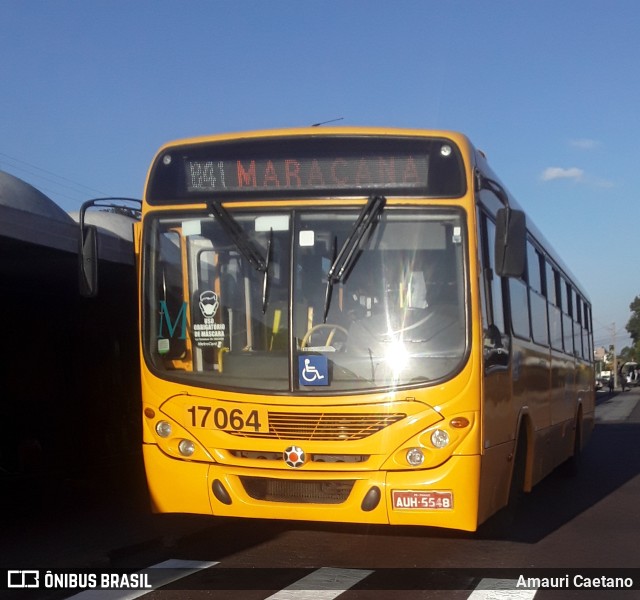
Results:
307 166
324 173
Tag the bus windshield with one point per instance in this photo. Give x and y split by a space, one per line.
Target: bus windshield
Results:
397 317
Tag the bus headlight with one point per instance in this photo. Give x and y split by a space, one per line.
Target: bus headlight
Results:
440 438
415 457
186 447
163 429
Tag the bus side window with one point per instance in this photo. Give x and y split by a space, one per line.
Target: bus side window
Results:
567 329
586 346
519 307
577 323
554 306
536 299
587 332
496 342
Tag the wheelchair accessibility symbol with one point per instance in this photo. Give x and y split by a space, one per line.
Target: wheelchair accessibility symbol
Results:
313 370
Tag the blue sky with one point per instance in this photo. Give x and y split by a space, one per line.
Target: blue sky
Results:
549 89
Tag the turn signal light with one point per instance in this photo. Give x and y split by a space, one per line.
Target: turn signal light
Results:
459 422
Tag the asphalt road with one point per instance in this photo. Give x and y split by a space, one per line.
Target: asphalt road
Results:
587 525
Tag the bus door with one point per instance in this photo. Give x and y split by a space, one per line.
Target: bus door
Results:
171 309
498 414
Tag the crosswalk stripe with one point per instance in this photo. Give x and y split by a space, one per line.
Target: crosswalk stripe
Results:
177 569
325 583
500 589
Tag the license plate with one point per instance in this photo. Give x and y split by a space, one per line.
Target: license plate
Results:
407 499
241 420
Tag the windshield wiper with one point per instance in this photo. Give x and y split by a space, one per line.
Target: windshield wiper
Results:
265 279
242 242
348 254
238 236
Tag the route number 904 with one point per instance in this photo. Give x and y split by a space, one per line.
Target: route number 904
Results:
225 419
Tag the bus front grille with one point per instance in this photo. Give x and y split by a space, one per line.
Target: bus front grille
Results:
297 491
328 427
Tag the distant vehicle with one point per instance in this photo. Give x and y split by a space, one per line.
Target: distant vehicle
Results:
630 372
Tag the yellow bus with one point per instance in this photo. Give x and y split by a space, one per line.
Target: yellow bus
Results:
352 325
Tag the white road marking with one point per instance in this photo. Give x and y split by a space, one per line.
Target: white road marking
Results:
324 584
500 589
178 570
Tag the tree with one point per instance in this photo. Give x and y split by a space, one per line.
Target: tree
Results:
627 355
633 325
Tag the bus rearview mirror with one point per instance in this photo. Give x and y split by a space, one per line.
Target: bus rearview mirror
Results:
88 262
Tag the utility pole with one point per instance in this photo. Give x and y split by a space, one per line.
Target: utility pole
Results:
615 358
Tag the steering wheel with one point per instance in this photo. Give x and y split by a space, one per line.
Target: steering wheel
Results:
307 336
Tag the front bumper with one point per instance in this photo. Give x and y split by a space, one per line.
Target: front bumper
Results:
345 496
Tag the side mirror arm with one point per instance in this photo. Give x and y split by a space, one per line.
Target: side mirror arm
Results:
88 242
